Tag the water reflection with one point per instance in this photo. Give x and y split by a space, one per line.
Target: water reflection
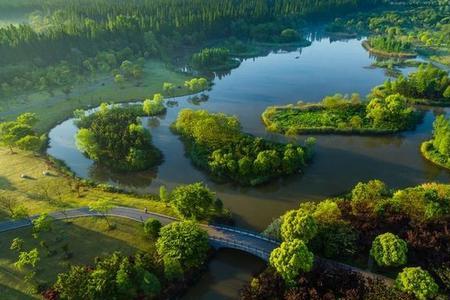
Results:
324 68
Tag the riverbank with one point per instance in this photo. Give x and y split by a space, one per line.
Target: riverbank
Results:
431 154
378 52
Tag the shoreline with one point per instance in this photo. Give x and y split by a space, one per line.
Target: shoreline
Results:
382 53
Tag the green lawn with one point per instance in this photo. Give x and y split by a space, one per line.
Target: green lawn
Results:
87 238
52 109
42 193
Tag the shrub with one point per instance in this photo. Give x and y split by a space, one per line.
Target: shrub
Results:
365 196
335 240
389 250
417 282
193 201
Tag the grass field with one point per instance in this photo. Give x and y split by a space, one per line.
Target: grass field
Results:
42 193
87 238
52 109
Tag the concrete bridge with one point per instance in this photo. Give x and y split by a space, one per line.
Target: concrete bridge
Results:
219 236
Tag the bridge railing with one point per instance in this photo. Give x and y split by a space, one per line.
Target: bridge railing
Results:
246 232
242 246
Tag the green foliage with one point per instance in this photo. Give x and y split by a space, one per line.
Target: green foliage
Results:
20 133
185 242
290 259
113 277
417 282
193 201
365 196
42 223
30 258
155 106
215 143
113 136
163 195
390 43
152 227
389 250
298 224
197 84
342 114
17 244
172 269
289 35
211 58
335 239
428 82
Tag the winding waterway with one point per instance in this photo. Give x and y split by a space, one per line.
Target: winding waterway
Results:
340 162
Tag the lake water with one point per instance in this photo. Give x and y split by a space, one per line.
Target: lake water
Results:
340 162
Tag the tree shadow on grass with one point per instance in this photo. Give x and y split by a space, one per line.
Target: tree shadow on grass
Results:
9 293
5 184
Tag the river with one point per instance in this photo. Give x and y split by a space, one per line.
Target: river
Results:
324 68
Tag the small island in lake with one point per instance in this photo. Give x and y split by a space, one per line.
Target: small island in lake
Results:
343 115
437 150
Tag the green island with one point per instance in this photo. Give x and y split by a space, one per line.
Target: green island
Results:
63 58
372 227
437 150
114 137
343 115
215 143
421 28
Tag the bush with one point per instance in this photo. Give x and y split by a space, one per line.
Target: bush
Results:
389 250
335 240
366 195
193 201
152 227
417 282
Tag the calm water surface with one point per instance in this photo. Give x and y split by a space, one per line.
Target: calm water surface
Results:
340 162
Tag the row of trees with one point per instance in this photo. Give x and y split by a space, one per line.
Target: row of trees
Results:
428 82
215 142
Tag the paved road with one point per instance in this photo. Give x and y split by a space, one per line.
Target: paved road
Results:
219 236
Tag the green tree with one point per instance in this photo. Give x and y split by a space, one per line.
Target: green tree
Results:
297 224
172 269
169 88
163 194
417 282
183 241
366 195
72 285
290 259
154 106
389 250
193 201
103 207
152 227
197 84
17 244
43 223
30 258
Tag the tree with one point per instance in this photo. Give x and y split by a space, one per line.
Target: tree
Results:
17 244
154 106
41 224
183 241
19 133
389 250
119 80
168 88
30 258
290 259
30 143
103 207
297 224
366 195
391 112
163 194
196 84
417 282
72 284
172 269
193 201
150 284
152 227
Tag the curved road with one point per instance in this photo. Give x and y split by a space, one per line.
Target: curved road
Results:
219 236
